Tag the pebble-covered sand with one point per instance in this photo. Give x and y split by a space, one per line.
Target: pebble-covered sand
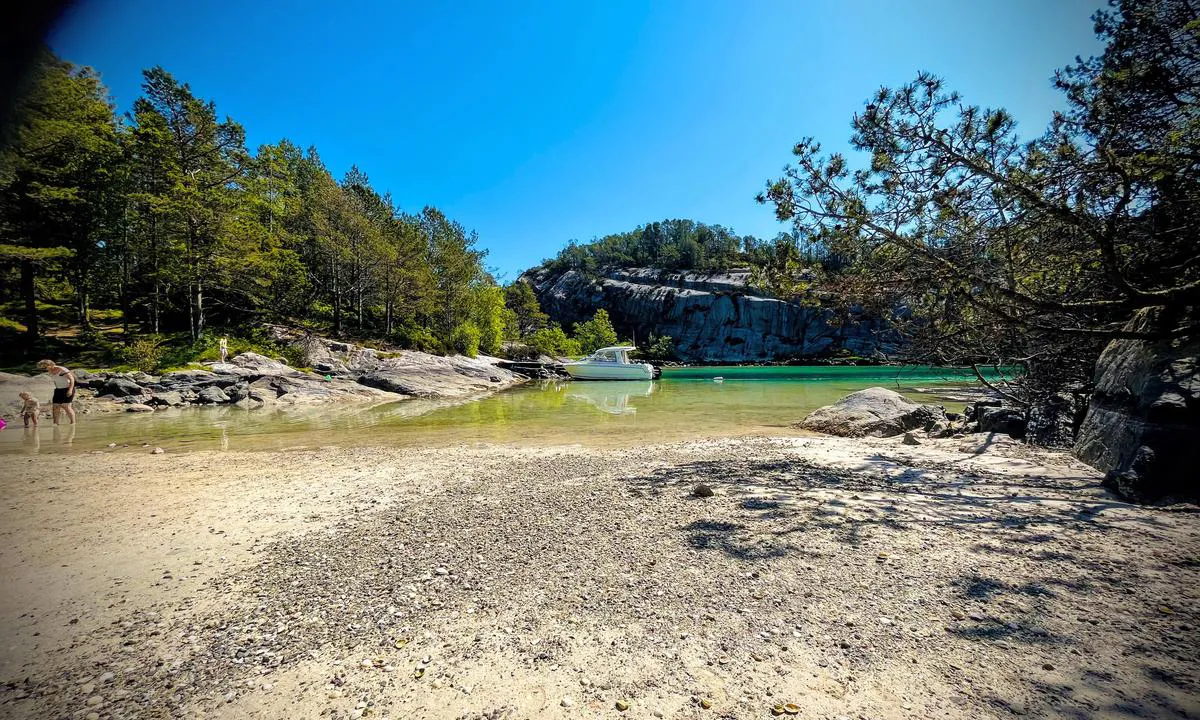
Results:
825 577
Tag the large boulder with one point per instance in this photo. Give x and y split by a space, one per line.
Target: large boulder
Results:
1054 421
416 374
180 378
309 388
167 397
121 387
238 392
1007 420
212 395
252 365
875 412
1143 424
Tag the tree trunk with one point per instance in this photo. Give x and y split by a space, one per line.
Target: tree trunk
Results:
81 298
156 305
191 283
155 309
28 292
387 305
198 331
124 290
337 303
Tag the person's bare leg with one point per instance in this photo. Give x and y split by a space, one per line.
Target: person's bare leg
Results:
70 410
54 412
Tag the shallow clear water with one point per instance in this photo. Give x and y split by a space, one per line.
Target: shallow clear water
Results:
686 403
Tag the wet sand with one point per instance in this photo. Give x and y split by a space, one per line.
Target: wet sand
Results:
855 578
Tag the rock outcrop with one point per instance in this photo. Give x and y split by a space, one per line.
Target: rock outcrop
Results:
874 412
251 380
1143 424
710 317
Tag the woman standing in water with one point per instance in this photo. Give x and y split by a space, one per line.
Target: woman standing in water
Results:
64 389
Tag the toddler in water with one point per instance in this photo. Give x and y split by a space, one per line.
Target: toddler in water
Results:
29 410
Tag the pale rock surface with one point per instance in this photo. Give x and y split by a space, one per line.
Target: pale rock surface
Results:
874 412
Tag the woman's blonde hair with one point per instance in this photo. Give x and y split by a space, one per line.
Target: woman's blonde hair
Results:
45 364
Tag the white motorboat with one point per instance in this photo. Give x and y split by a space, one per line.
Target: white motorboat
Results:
610 363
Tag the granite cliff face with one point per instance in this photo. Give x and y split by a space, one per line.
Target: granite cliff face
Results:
711 317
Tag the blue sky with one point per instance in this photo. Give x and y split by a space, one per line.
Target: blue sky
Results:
534 122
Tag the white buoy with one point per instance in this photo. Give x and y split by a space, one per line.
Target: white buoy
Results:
718 379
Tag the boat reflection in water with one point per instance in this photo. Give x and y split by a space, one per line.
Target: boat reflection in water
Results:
611 397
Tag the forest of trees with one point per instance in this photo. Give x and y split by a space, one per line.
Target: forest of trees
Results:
685 245
164 220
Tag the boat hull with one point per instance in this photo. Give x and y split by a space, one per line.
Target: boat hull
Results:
613 371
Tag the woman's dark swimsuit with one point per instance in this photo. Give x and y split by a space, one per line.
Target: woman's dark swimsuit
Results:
63 396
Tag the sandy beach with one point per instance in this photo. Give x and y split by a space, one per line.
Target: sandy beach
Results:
962 578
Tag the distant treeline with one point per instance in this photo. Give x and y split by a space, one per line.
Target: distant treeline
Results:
685 245
163 218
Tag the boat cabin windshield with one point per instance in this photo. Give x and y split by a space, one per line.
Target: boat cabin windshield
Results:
610 355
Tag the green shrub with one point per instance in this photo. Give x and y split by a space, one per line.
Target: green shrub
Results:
596 333
416 338
661 348
145 354
552 341
465 339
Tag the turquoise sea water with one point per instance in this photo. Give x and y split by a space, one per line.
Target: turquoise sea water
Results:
685 403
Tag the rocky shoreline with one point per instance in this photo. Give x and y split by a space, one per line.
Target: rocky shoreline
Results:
341 372
880 412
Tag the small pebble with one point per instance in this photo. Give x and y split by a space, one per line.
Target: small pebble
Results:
566 702
622 705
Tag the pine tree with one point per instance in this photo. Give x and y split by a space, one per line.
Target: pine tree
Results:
56 181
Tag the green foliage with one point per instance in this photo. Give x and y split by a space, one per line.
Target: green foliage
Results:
178 350
488 316
465 338
56 182
662 348
595 333
456 267
520 298
144 354
552 341
169 218
1005 248
415 338
671 244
